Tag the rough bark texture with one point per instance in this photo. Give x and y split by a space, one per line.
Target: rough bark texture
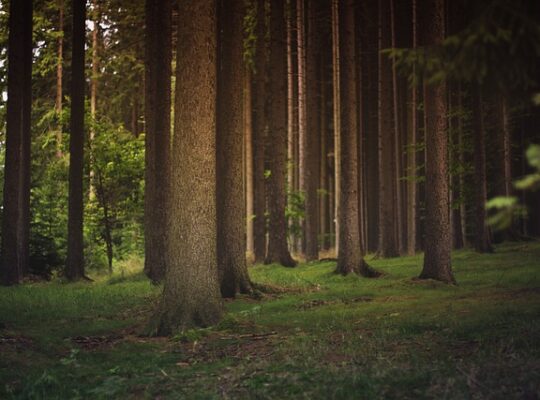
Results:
259 135
303 168
231 229
438 244
350 257
75 257
336 116
311 172
191 295
388 246
482 240
15 219
94 79
158 72
277 143
248 157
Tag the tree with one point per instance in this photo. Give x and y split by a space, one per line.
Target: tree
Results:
16 206
158 130
191 295
231 228
75 256
277 143
388 246
350 257
59 77
438 244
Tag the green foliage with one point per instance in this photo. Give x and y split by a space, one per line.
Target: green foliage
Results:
295 211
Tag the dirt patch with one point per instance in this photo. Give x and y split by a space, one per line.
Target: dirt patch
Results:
307 305
96 342
17 342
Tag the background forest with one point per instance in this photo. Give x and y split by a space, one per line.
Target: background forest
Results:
152 150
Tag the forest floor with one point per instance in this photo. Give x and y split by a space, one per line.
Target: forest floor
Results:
325 337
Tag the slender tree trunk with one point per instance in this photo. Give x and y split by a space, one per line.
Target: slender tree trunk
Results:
311 166
323 172
75 256
59 78
482 242
231 229
455 190
302 112
248 146
191 295
350 255
461 159
336 121
388 246
259 135
158 71
277 148
411 153
93 93
438 245
291 115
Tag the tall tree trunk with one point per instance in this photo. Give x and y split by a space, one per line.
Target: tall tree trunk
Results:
277 143
248 156
75 256
231 228
455 190
16 206
336 121
323 165
311 166
191 295
158 73
482 242
438 245
411 152
93 93
388 246
302 112
259 135
350 254
292 117
59 78
461 159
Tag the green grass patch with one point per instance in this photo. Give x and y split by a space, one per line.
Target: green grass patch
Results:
323 336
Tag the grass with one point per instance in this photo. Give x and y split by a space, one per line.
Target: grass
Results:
327 337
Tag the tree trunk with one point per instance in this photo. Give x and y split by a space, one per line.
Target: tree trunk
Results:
248 146
93 94
59 78
482 242
231 228
336 121
158 73
323 172
302 113
191 295
438 245
455 190
75 256
16 206
350 254
292 116
311 155
388 246
277 143
259 135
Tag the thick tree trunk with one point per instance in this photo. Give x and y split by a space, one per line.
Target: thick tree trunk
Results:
16 206
158 73
311 166
75 256
277 143
59 78
191 295
438 245
350 254
482 242
388 246
259 135
231 229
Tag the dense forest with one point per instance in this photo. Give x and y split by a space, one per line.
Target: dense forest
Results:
190 140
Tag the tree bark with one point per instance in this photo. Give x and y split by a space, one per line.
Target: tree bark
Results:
158 73
259 135
75 252
388 246
438 245
93 94
311 161
350 254
336 121
482 242
191 295
248 156
231 229
16 205
59 78
277 143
